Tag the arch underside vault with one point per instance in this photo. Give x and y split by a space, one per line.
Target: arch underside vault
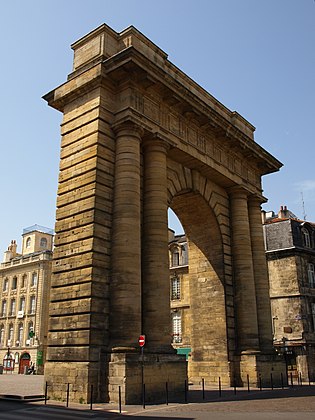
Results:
203 209
139 136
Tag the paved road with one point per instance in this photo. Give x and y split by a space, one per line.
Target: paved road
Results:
291 408
297 403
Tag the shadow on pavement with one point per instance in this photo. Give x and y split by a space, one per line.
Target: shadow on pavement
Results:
29 410
196 396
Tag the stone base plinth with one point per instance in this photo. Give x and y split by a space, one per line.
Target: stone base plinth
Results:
210 371
82 380
126 371
262 369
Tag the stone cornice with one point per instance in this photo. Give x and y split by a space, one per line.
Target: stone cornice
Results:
289 252
234 128
122 52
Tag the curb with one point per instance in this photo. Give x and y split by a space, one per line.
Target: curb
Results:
22 398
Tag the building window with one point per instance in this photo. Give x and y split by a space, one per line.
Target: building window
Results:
43 243
313 315
177 327
32 305
28 242
22 304
10 335
20 335
24 281
4 308
12 307
306 238
30 332
184 257
5 285
2 335
175 288
14 283
311 275
175 259
34 280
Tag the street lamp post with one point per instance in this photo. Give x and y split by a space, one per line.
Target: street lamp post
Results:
8 364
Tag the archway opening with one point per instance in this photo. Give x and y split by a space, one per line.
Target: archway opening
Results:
198 298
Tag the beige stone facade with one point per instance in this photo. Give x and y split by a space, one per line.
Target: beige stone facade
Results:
290 249
138 137
24 296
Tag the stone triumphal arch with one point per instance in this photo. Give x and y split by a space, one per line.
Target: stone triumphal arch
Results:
139 136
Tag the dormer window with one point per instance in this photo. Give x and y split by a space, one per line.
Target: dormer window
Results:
306 238
28 242
175 259
43 243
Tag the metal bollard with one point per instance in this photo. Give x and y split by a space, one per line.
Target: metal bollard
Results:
68 389
248 390
143 398
203 388
220 389
91 398
186 397
119 398
166 393
46 389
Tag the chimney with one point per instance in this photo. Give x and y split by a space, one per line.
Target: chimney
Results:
11 252
283 212
12 248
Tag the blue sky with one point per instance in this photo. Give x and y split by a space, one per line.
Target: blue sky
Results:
256 57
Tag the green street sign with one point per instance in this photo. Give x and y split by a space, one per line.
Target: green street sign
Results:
40 359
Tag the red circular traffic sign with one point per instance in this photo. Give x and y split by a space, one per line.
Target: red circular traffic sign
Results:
141 340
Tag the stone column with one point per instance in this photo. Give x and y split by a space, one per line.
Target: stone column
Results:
125 286
245 294
260 274
155 269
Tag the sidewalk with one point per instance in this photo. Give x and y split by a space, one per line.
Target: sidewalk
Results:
17 386
31 388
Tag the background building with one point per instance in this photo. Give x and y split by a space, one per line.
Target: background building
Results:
180 293
290 251
24 289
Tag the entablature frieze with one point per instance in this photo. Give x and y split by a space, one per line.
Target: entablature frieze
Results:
184 139
174 88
